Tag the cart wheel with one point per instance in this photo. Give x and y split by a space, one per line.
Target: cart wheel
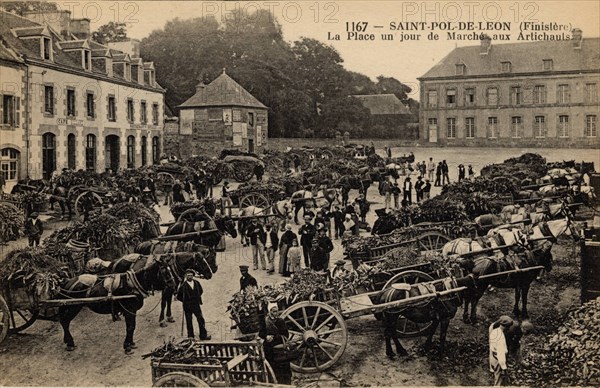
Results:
254 199
21 319
271 378
275 166
432 241
317 333
4 319
179 379
243 171
188 215
75 191
96 201
405 327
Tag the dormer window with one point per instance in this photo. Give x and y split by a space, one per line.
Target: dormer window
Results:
460 69
506 67
127 74
548 65
87 60
47 48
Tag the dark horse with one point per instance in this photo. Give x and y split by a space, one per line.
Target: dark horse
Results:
145 274
180 252
221 226
438 310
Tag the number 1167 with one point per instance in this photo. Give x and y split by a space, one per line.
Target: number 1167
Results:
356 26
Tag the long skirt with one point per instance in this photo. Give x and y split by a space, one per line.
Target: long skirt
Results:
283 256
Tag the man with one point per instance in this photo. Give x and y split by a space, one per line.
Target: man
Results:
259 171
438 175
445 171
407 191
258 239
226 199
307 233
338 222
285 243
322 247
498 349
461 172
427 189
190 294
246 280
419 188
430 169
396 195
271 247
386 191
34 229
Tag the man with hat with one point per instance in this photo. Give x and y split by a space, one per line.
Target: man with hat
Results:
307 233
321 248
427 189
34 229
246 280
258 239
499 349
408 190
419 188
225 198
190 294
339 269
285 243
461 172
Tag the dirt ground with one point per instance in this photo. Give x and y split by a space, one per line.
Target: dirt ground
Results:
37 356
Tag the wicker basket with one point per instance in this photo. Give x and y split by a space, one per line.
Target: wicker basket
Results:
250 323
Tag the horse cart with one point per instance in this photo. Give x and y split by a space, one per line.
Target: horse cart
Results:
216 364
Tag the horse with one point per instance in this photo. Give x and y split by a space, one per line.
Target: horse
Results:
280 209
551 230
520 281
143 276
439 310
221 225
301 199
503 235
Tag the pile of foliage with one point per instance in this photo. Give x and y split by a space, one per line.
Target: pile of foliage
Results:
185 351
527 166
274 190
354 245
570 357
30 200
479 185
146 219
11 219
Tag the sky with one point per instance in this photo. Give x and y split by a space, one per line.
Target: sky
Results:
406 60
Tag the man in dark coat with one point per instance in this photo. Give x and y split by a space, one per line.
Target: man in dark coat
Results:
438 175
258 239
34 229
419 188
271 245
307 233
321 248
246 279
284 245
190 294
338 221
445 171
259 171
407 190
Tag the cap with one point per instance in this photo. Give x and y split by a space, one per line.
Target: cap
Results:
505 320
189 270
225 183
288 227
146 190
244 267
34 214
340 262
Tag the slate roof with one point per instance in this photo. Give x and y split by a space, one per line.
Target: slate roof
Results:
223 91
383 104
73 44
525 57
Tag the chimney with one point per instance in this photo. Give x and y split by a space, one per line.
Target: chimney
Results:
200 86
131 47
60 21
577 37
486 44
81 28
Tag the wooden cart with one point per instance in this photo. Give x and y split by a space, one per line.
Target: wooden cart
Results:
224 364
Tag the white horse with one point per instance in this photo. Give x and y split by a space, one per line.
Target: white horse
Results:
499 236
553 229
281 210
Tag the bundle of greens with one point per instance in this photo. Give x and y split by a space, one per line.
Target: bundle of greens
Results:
147 220
11 219
109 232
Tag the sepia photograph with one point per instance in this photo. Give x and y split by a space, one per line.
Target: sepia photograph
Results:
306 194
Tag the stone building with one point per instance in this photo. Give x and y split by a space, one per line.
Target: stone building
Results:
75 103
542 93
389 116
220 115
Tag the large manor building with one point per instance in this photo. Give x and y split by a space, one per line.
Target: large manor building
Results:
70 102
541 93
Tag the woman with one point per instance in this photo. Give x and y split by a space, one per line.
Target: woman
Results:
178 192
285 242
293 258
273 333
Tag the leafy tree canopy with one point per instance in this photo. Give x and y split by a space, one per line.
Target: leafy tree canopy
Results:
110 32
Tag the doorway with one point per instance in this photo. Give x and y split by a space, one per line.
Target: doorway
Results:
251 145
113 152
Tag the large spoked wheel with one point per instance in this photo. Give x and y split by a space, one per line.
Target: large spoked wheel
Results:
405 327
275 166
21 319
189 215
179 379
243 171
94 198
432 241
254 199
318 335
4 319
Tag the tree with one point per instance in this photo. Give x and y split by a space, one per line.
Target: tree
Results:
390 85
110 32
21 7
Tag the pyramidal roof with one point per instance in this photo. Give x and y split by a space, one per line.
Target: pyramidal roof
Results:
223 91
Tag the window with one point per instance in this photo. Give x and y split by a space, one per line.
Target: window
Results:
143 112
460 69
492 127
451 128
71 103
539 94
563 94
591 93
563 126
539 126
9 112
130 110
47 54
144 151
130 152
492 96
49 99
90 153
516 127
506 67
9 164
470 127
433 122
112 109
215 114
90 105
86 60
450 97
590 126
470 96
432 99
548 65
71 150
155 150
48 154
251 119
155 114
516 96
